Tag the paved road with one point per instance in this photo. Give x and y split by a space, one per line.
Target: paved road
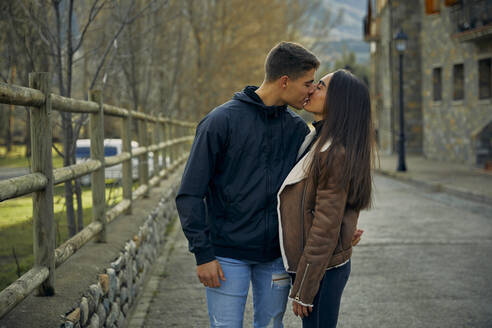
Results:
424 262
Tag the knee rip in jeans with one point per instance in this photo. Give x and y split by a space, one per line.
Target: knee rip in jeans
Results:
280 280
216 322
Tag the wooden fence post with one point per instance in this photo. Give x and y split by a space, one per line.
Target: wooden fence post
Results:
167 137
143 160
190 132
127 175
163 137
172 136
98 183
178 146
157 139
42 201
182 144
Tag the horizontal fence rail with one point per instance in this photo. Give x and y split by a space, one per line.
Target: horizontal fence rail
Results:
19 186
169 144
16 95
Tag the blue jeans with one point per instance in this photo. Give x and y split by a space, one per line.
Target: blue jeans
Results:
326 304
271 285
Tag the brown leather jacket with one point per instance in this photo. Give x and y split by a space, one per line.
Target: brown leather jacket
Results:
315 225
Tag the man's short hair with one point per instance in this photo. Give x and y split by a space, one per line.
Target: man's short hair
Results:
291 59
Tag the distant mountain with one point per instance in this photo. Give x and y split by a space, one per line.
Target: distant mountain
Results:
348 34
353 12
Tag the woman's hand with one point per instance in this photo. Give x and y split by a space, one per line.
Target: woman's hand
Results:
301 310
357 235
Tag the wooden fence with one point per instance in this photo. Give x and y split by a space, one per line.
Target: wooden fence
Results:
170 140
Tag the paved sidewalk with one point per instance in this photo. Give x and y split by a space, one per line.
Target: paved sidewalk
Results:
458 180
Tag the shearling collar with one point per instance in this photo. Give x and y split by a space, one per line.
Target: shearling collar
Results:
299 172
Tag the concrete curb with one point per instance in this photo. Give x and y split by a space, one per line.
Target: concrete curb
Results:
437 187
139 313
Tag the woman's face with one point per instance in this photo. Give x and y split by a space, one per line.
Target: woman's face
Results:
316 102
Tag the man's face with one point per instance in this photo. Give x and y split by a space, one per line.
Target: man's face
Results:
297 91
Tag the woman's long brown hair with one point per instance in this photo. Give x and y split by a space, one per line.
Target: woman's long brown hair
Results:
348 124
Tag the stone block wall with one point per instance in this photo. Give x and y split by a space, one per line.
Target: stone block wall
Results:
108 302
385 92
406 16
450 126
382 86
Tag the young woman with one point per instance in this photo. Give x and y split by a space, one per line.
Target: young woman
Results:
320 200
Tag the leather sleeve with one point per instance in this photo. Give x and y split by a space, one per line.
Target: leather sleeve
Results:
322 239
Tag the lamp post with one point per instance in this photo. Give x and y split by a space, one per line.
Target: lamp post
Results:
401 44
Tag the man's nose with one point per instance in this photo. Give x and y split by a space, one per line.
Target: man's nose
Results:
311 89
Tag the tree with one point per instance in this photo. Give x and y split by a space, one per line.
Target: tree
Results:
178 58
349 62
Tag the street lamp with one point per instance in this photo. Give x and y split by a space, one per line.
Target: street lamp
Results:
401 44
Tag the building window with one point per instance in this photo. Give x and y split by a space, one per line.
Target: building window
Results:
432 6
484 78
437 84
458 81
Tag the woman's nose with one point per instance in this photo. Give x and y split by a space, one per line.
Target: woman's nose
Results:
312 89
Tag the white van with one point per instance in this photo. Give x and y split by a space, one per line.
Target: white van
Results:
112 147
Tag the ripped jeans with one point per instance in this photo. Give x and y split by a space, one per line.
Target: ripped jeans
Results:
271 285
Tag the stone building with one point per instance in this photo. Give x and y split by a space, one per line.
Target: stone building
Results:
447 77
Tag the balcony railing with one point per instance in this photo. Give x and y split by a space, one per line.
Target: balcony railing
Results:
473 19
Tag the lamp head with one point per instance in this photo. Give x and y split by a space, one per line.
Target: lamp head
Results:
401 41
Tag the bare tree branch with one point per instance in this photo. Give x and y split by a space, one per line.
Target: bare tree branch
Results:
82 120
94 11
58 151
46 39
127 21
56 5
26 47
88 53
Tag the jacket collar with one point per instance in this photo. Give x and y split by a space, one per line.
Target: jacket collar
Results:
305 143
248 95
299 172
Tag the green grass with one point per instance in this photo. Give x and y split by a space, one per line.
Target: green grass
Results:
16 229
17 157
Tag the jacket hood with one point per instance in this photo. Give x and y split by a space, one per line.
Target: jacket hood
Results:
248 95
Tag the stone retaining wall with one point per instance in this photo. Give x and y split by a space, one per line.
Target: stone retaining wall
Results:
108 301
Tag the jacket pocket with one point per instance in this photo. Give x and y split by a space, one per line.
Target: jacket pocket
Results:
341 246
218 226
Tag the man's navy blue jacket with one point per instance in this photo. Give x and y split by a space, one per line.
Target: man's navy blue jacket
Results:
227 202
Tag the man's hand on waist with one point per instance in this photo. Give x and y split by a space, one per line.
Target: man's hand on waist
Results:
210 274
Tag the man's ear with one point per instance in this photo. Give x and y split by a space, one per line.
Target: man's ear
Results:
283 81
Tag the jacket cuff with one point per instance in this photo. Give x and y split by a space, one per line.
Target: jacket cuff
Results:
306 285
299 302
204 256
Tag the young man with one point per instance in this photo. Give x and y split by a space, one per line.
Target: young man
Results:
227 203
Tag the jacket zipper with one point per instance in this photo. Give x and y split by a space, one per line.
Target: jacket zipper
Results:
302 282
